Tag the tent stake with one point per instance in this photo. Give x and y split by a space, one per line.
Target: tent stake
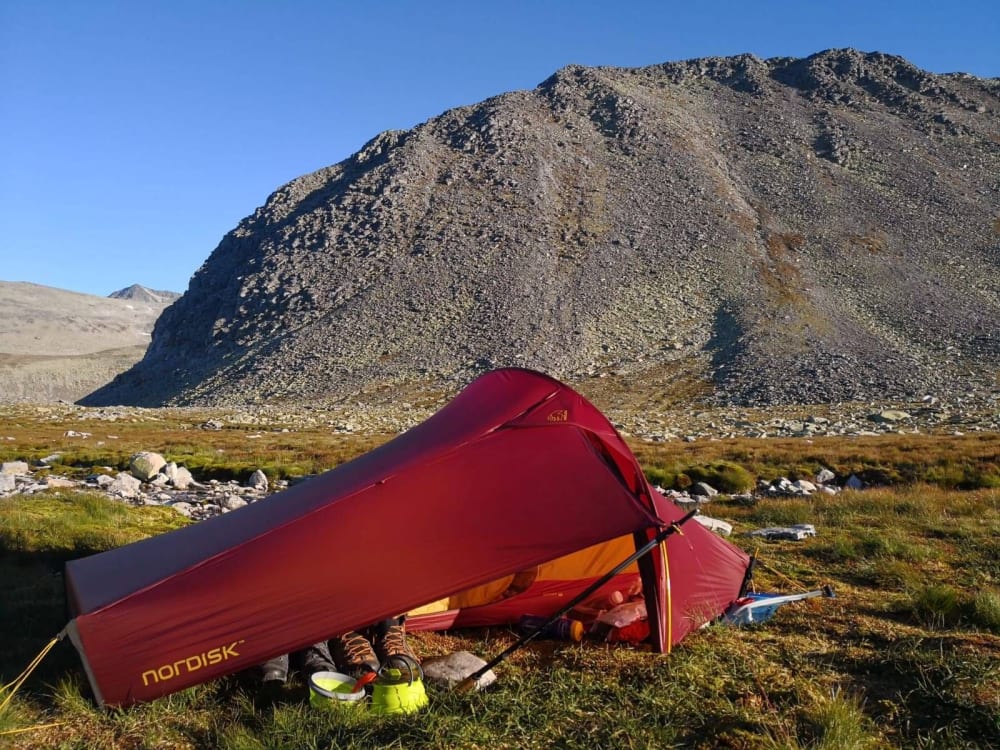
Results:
469 682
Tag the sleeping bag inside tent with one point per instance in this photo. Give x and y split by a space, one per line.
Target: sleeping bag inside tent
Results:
512 498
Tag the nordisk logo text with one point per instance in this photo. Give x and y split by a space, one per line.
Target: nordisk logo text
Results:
190 664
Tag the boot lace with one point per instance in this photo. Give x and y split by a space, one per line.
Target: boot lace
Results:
394 641
356 647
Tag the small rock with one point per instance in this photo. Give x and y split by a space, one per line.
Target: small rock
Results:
853 483
448 671
212 424
59 482
182 507
50 459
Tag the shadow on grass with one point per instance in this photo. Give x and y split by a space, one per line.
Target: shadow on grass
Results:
32 611
937 682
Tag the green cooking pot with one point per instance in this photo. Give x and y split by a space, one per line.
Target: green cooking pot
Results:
399 686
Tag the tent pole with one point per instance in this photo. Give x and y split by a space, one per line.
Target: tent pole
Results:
469 682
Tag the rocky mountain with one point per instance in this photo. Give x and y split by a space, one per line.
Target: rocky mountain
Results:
56 344
729 229
141 294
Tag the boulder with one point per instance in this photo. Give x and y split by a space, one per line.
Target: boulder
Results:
781 486
720 527
7 483
890 416
232 502
182 480
702 489
258 481
825 476
796 532
125 486
146 464
16 468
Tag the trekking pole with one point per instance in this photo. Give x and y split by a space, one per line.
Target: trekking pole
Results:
469 682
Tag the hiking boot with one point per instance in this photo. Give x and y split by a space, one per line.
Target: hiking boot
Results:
390 640
354 655
317 658
275 670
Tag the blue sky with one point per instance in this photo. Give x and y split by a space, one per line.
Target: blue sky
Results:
134 135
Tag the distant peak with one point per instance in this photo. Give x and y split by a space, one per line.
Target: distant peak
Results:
144 294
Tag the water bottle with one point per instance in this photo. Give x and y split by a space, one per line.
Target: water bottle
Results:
563 629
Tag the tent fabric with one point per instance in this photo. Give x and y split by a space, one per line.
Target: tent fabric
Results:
513 481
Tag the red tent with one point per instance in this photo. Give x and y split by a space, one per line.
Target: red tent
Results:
511 499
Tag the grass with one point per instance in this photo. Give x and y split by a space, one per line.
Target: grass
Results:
280 447
725 476
284 448
907 655
946 461
984 610
936 606
78 523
